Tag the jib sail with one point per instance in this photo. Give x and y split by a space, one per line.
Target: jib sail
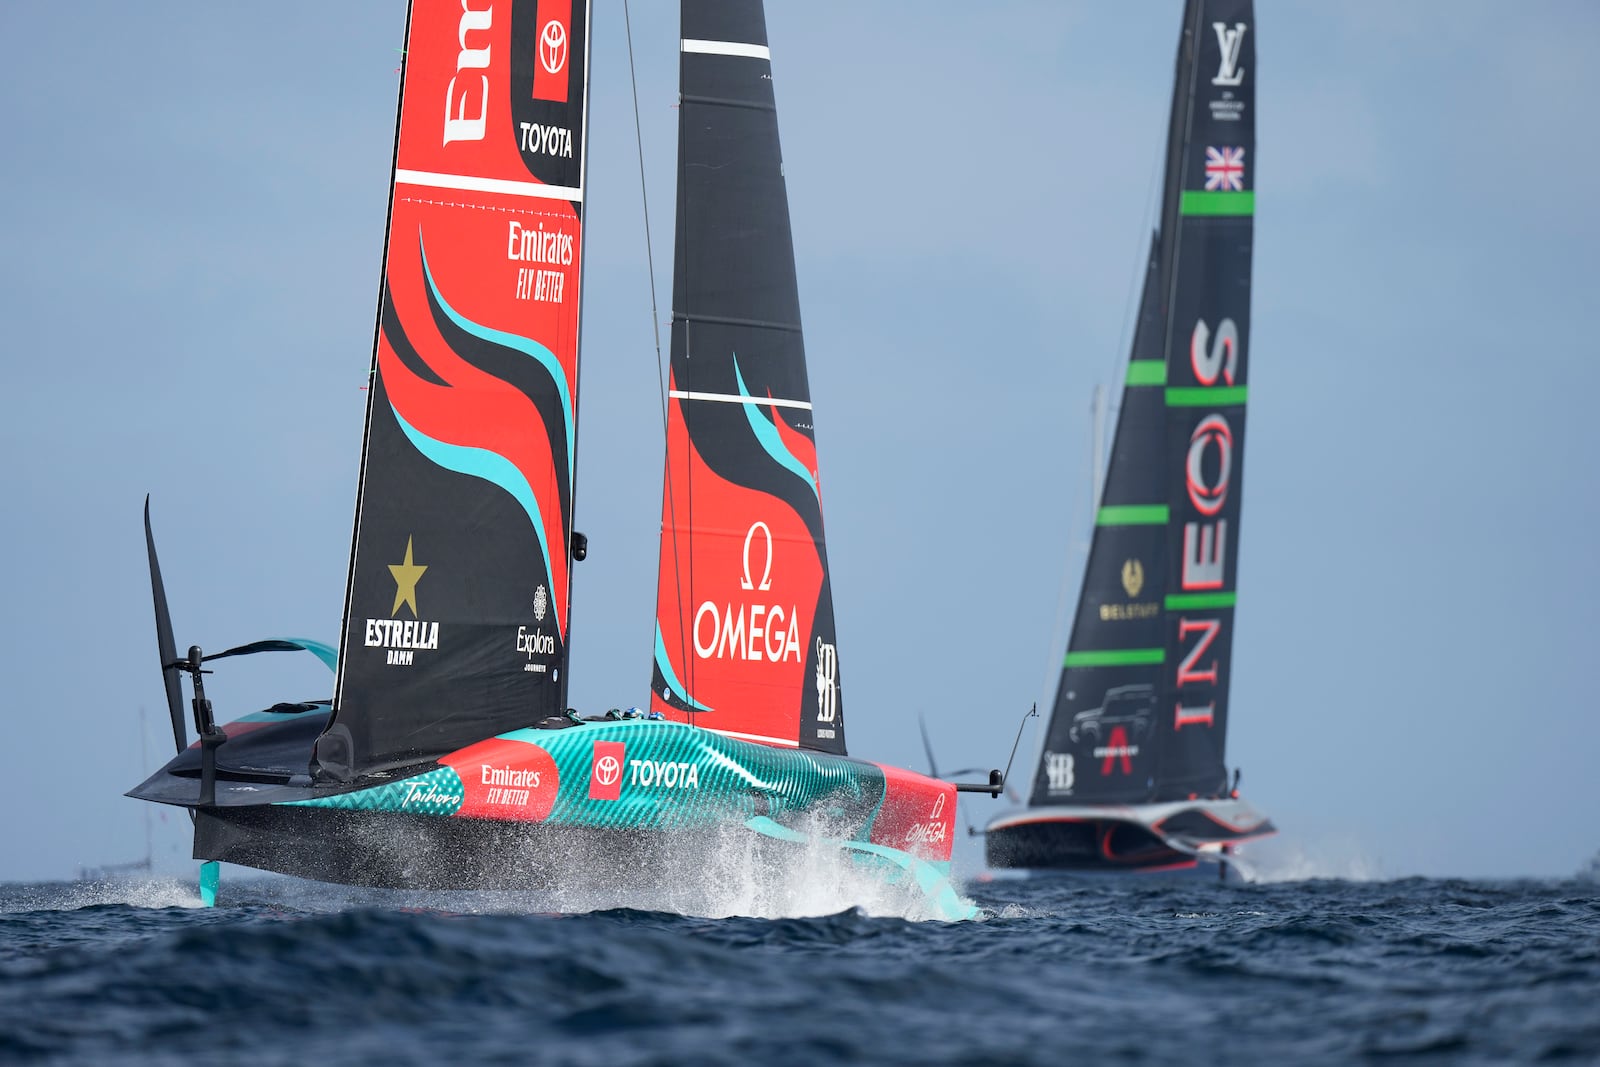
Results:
457 604
744 619
1141 711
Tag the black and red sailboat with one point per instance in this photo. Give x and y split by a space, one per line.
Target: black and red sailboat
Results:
447 756
1133 772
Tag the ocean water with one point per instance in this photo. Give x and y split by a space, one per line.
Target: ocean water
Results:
1056 972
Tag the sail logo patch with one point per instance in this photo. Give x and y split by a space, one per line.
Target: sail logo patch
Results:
1132 577
402 639
1059 769
605 773
827 682
1231 44
749 631
1225 169
1132 584
1116 750
550 71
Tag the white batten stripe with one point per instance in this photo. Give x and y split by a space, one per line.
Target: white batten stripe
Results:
730 398
784 741
727 48
487 185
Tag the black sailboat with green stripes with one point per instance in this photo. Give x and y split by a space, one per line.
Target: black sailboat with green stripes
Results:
1133 772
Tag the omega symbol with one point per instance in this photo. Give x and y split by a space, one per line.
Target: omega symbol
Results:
766 571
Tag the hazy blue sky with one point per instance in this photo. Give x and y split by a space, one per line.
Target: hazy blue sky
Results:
192 220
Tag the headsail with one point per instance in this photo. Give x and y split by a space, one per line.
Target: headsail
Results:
1141 710
456 610
744 618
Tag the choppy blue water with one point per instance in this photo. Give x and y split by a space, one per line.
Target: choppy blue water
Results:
1057 973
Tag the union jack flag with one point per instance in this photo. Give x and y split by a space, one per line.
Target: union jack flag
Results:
1225 169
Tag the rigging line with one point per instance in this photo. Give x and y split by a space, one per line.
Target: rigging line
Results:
1112 402
644 198
655 327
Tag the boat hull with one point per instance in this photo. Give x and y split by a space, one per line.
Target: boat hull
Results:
600 803
1174 838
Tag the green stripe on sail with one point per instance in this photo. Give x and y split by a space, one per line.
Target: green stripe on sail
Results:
1200 601
1200 202
1116 657
1132 515
1203 396
1147 372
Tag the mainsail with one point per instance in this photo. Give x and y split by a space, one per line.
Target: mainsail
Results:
455 620
744 619
1141 711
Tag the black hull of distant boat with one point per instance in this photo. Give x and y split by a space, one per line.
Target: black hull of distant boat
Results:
1167 839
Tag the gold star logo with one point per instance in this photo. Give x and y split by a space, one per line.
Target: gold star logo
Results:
406 576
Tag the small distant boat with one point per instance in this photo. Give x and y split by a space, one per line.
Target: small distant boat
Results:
447 757
1132 776
144 866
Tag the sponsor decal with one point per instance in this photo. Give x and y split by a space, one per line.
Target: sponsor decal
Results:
505 778
827 682
1059 769
664 775
1132 577
552 51
1225 169
605 772
1116 751
1189 670
466 98
1210 356
1208 468
750 631
1230 41
1230 75
426 795
509 787
1132 584
1145 609
402 639
535 244
1204 550
1213 431
934 832
543 140
917 814
534 641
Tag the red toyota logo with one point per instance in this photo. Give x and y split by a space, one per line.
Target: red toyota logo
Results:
553 47
605 772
